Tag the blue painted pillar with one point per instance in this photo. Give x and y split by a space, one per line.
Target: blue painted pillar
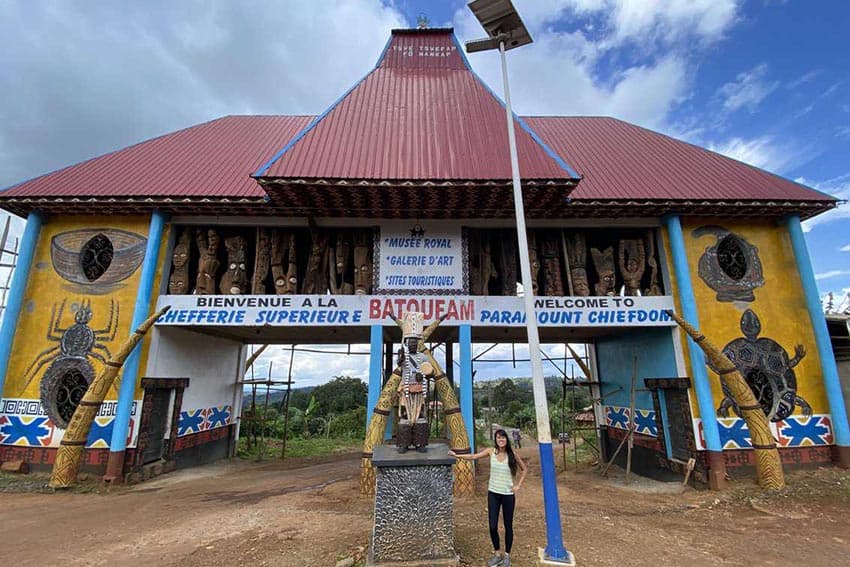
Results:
376 357
130 373
465 341
17 290
702 387
831 382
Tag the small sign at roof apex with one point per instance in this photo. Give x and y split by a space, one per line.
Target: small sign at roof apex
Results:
422 21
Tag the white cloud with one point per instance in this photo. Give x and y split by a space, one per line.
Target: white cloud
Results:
82 82
839 188
644 22
845 248
747 90
763 152
831 274
567 72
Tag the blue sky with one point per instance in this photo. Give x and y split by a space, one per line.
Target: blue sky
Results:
763 81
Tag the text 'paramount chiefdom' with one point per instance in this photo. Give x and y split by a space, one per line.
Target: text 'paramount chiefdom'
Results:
326 310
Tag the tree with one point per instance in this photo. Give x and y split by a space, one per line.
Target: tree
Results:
504 392
341 394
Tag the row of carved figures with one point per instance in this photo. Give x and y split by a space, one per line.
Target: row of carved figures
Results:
338 261
562 257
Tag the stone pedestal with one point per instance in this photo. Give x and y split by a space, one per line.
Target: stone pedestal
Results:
413 508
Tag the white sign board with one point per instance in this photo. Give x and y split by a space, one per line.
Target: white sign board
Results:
420 258
341 310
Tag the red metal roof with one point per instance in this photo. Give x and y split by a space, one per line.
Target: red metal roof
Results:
622 161
421 114
212 160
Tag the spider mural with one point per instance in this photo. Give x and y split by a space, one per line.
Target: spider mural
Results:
70 371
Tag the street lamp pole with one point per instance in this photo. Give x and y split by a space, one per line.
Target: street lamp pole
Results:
503 24
554 543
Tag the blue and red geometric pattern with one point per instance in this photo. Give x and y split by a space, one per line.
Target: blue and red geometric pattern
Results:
617 417
801 431
644 421
734 433
25 430
195 421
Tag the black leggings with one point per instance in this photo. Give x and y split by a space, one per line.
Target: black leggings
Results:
507 503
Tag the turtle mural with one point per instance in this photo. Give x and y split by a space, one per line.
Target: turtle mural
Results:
768 370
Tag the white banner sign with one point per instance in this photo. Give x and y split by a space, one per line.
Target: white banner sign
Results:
422 257
336 310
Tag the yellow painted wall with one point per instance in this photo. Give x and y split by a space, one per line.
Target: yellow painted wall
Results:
779 303
46 290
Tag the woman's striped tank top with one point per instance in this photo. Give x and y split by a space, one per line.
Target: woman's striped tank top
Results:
501 481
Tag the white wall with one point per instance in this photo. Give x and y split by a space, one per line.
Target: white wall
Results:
211 364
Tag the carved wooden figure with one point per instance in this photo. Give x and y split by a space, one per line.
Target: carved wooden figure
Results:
363 262
654 287
261 262
235 278
604 263
533 260
339 268
208 263
553 280
284 264
317 263
178 282
507 264
577 260
632 261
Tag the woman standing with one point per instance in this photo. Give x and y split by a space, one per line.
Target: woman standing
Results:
501 491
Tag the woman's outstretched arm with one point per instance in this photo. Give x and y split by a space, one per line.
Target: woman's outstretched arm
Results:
482 453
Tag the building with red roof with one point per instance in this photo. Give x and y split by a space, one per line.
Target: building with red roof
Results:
322 229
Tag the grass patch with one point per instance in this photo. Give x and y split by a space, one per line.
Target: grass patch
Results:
298 447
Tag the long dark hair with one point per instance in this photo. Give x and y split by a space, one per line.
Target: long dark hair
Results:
508 449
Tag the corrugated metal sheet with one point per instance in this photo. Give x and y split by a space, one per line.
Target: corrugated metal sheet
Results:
621 161
420 115
212 160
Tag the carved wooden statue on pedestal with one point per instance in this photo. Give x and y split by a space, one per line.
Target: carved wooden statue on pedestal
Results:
413 388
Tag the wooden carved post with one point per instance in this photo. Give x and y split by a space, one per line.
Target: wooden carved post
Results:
339 268
533 260
768 462
553 280
208 263
178 282
508 263
654 288
261 262
317 263
577 261
632 260
235 278
604 263
74 441
363 262
284 262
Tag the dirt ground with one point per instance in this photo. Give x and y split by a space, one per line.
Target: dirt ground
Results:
307 512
